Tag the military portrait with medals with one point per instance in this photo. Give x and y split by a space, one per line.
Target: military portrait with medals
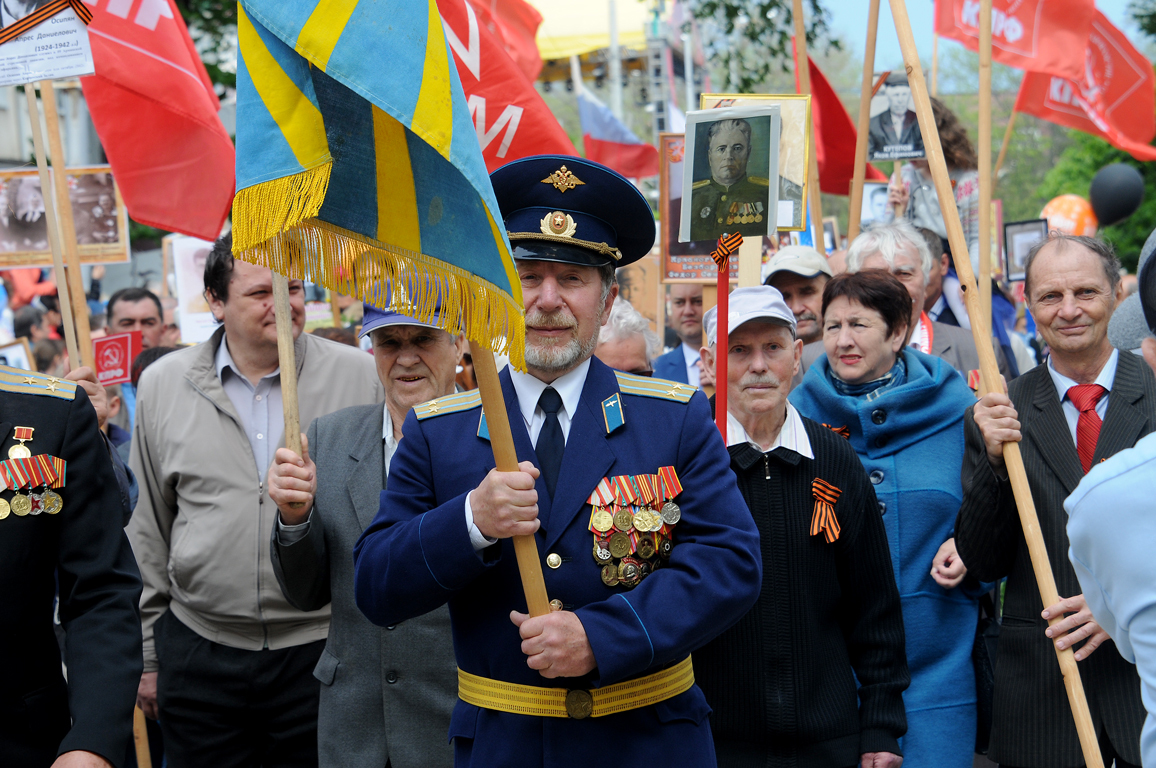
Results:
648 549
731 156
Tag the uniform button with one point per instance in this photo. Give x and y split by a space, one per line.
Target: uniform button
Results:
724 197
556 604
876 476
391 677
880 442
554 560
878 415
391 626
720 219
882 508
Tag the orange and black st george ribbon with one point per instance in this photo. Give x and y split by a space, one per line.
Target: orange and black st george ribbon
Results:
42 14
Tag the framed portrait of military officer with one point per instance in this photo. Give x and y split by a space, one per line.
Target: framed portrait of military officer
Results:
893 133
731 156
794 147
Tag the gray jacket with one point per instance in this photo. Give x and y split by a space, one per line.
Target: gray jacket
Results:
386 693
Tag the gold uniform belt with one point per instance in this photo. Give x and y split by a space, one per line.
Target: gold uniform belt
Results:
577 703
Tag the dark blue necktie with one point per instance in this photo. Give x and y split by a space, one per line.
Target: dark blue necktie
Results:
551 443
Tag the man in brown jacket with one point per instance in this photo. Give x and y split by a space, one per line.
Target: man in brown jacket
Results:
228 661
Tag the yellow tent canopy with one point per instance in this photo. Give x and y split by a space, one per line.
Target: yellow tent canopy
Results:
572 28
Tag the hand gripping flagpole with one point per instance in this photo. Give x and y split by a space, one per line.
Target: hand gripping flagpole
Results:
989 378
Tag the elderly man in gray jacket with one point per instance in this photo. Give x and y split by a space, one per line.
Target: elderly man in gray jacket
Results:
387 694
228 660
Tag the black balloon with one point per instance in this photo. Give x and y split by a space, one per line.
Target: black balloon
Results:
1116 193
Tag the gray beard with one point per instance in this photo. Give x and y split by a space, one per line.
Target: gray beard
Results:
560 358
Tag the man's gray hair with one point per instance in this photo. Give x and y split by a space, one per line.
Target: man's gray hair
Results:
625 321
1104 250
888 240
742 125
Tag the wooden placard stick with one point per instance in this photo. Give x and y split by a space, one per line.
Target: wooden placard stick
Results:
287 361
989 378
1007 134
803 68
506 460
750 258
140 739
75 290
985 177
53 229
860 173
897 174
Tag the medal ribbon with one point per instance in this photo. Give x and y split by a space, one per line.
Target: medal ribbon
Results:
824 517
34 471
22 433
726 246
603 495
647 489
42 14
668 479
844 431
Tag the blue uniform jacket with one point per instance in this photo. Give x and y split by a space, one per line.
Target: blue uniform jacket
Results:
417 555
672 365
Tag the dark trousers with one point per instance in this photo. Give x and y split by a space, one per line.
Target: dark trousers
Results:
224 707
1109 754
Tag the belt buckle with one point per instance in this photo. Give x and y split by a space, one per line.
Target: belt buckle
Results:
579 704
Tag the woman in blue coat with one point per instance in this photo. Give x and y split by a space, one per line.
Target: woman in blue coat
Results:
903 411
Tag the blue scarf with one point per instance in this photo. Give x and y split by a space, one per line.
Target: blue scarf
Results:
870 390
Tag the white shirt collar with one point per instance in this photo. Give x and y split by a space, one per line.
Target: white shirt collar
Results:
568 386
793 435
1105 379
224 360
690 354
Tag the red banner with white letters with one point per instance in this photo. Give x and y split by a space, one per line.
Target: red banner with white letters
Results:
1115 97
509 116
1036 35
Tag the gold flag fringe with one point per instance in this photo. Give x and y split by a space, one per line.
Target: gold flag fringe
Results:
270 208
397 279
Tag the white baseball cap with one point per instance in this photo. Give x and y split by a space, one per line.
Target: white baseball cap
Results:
800 259
762 303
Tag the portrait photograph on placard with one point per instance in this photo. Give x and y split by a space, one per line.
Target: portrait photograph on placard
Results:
1018 239
188 256
26 58
731 156
874 210
893 133
794 147
17 354
98 212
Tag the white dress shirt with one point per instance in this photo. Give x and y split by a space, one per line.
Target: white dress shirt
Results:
1063 384
258 407
693 359
529 389
792 436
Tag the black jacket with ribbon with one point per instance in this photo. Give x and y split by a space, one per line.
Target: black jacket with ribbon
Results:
782 681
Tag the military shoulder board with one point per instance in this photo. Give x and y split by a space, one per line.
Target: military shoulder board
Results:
24 382
651 387
462 401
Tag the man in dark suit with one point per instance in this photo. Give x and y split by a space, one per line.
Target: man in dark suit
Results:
683 363
62 528
607 673
894 134
1087 403
391 702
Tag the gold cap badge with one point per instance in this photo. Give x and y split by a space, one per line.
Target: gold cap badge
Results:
563 180
558 224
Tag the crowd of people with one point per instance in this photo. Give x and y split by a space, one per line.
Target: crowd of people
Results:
803 590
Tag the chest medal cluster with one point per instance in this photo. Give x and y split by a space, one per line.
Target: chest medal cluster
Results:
24 472
632 518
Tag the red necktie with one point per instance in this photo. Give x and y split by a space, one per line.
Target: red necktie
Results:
1085 397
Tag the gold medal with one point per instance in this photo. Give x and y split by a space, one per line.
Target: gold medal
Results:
5 509
21 505
646 548
21 451
629 572
671 513
623 519
610 575
758 217
52 502
619 545
603 521
730 219
642 520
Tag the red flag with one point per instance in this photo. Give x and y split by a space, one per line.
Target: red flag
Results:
509 116
1114 98
156 115
834 136
516 24
1034 35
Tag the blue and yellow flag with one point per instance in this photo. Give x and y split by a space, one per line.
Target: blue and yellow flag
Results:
358 166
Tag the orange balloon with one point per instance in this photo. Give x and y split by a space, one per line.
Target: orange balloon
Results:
1070 214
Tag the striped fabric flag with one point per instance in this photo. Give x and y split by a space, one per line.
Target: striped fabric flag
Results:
358 166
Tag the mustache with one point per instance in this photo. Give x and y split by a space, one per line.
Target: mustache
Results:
807 316
556 319
760 380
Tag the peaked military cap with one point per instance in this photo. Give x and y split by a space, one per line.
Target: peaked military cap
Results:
571 210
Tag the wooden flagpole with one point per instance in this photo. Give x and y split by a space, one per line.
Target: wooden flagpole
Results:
803 69
1007 134
506 460
985 177
75 290
287 361
989 379
864 126
53 227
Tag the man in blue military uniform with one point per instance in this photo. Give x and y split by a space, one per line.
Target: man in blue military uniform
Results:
623 481
62 528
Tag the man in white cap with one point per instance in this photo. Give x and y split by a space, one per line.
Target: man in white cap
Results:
800 273
828 690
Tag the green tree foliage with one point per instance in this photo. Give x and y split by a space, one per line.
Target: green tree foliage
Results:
213 27
1073 175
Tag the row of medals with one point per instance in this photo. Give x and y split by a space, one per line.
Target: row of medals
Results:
48 500
748 215
622 564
